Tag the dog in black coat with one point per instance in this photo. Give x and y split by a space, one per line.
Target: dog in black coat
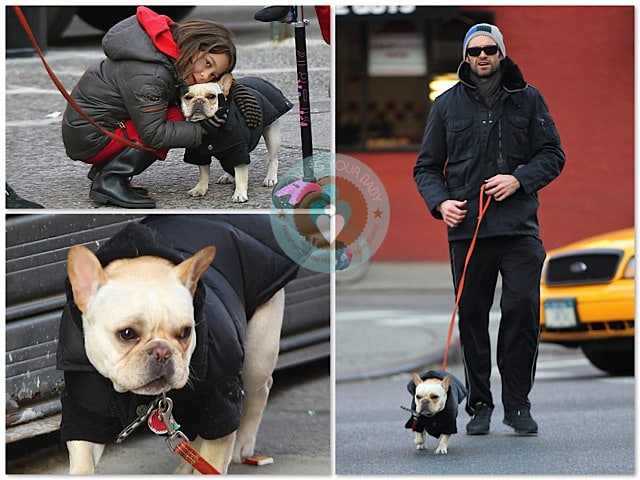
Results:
435 399
254 107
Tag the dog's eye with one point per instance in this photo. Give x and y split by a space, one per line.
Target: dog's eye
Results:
128 334
188 96
184 333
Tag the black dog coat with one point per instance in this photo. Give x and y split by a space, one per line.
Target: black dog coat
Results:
443 422
232 142
249 268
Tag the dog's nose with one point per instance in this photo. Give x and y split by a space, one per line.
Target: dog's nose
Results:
161 354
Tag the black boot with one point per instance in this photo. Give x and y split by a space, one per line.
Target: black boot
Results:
97 168
111 184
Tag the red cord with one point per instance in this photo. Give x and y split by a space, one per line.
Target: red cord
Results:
63 91
482 209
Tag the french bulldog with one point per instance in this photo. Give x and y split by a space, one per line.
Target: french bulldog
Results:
201 102
140 334
436 396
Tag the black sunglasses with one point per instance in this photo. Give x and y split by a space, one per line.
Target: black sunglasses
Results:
489 50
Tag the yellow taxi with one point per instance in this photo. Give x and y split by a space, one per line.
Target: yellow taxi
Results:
587 299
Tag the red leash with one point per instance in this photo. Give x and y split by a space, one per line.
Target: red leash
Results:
482 209
183 448
63 91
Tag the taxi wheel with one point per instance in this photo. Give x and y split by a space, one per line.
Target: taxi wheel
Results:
616 359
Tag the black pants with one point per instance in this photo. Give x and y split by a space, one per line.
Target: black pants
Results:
519 260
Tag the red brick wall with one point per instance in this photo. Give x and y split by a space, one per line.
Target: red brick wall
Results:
582 60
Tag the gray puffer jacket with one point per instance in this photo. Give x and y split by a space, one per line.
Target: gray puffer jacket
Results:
135 81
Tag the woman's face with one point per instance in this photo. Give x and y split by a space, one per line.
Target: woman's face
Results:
208 67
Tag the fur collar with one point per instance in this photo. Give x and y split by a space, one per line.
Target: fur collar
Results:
512 78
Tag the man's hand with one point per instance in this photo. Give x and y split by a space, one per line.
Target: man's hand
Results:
501 186
219 118
453 212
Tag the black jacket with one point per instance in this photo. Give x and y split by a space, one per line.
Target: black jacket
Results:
443 422
232 142
465 143
249 268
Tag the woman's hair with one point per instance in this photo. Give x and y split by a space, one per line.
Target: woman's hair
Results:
196 36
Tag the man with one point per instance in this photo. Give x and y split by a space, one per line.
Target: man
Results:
492 129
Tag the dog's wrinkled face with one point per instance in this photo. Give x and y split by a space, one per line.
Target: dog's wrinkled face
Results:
431 394
137 316
201 99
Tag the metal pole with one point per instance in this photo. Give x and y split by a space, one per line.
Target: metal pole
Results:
303 98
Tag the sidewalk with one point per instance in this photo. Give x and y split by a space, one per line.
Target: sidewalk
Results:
371 346
34 102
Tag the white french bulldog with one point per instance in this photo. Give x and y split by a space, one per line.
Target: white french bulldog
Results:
201 102
144 345
430 399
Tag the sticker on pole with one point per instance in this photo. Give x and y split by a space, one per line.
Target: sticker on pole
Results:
330 213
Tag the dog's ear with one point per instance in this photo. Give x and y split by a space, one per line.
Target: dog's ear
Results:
190 270
85 274
225 82
446 382
416 379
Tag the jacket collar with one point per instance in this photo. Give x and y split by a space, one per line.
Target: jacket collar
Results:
512 78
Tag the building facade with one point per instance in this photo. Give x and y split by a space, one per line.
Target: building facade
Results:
391 61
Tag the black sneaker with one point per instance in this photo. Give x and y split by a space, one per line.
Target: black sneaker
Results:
481 420
521 421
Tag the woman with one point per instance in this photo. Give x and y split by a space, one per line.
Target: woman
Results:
135 92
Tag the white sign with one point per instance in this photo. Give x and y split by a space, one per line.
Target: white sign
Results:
397 54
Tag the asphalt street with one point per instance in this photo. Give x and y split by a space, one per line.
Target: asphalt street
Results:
394 321
38 169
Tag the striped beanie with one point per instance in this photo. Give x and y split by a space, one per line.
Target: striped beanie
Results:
484 29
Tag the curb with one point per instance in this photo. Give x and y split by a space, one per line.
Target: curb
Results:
411 365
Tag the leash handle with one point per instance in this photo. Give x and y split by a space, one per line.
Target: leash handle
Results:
482 209
63 91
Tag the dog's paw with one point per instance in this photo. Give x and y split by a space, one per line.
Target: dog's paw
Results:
239 197
243 448
440 451
198 191
226 179
421 446
269 182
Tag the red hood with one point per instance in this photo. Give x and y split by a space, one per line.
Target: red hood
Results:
157 27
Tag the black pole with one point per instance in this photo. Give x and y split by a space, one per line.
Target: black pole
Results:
303 98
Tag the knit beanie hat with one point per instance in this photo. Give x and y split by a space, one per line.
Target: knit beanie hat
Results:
484 29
